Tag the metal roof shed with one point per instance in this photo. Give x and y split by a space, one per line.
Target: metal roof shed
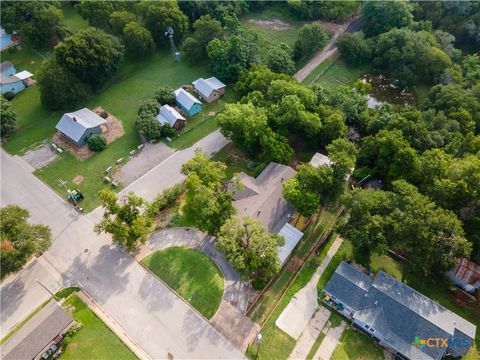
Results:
292 236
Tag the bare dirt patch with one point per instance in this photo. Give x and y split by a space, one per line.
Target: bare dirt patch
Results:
40 157
112 130
275 24
329 26
78 179
294 264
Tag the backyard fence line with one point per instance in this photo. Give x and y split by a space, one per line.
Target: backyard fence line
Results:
312 251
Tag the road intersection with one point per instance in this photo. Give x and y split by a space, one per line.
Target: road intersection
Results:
154 317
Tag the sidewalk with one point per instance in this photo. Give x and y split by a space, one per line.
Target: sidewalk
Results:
295 317
330 342
112 325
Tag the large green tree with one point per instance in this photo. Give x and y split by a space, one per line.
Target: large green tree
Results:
126 220
249 247
208 201
47 24
8 118
60 88
138 40
354 48
92 55
311 37
19 239
118 20
408 222
228 58
389 156
159 15
279 59
382 16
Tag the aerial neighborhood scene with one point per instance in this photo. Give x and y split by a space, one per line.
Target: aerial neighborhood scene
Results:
264 180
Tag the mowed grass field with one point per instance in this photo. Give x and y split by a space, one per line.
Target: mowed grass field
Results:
94 340
335 72
135 81
195 277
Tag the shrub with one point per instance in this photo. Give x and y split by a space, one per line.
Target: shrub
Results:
148 108
103 114
164 95
97 143
166 199
9 95
310 38
149 127
168 131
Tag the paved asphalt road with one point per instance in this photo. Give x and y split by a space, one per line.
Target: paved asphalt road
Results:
153 317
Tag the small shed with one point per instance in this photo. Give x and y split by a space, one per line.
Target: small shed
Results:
320 160
292 236
210 89
40 336
78 126
466 275
11 84
168 115
187 102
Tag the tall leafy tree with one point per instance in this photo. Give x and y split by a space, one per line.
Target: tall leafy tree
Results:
127 220
207 199
47 24
354 48
310 38
92 55
408 222
60 88
382 16
138 40
279 59
118 20
249 247
19 240
159 15
8 117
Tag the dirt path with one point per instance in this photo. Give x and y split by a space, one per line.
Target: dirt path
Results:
329 50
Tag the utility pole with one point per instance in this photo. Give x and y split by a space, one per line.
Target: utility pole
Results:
53 295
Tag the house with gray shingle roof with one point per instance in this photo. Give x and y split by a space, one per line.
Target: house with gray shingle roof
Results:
395 314
261 198
78 126
187 102
210 89
168 115
40 335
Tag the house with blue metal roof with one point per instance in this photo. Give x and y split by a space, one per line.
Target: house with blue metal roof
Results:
78 126
400 318
187 102
168 115
210 89
11 81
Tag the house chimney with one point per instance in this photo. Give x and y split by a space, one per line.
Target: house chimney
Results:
74 119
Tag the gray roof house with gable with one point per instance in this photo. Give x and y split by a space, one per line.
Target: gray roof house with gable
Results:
78 126
395 314
261 199
168 115
209 89
42 333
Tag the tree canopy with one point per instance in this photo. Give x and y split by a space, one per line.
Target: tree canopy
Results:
19 239
8 117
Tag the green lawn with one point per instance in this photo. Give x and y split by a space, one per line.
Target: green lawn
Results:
356 346
73 20
94 340
202 124
136 81
192 274
334 73
237 162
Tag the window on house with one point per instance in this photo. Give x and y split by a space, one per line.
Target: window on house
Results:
366 327
372 330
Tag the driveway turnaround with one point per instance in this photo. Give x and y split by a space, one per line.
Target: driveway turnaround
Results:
153 317
235 290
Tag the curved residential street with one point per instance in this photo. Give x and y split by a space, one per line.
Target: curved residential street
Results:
153 317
